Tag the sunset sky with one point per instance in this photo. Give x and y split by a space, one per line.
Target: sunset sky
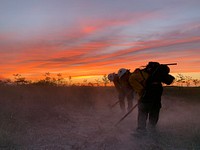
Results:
96 37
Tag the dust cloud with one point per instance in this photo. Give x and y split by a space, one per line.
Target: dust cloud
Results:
79 118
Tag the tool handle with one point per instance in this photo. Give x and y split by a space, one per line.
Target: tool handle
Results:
126 114
170 64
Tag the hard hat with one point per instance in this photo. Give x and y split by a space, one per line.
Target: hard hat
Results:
121 72
111 76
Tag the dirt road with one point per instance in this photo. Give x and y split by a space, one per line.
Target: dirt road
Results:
35 125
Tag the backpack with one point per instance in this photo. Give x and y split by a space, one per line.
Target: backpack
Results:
138 80
159 73
141 79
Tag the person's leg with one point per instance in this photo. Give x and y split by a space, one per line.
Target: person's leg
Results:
130 97
121 101
153 117
142 117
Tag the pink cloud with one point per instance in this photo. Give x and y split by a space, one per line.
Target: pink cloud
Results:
73 49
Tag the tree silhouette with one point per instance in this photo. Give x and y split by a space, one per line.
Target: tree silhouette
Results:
47 77
84 82
19 80
105 80
180 79
196 81
98 82
70 80
188 80
60 80
90 84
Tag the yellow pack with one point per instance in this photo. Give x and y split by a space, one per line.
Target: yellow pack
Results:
138 80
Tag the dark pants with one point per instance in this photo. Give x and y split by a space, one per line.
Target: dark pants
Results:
148 112
129 96
149 107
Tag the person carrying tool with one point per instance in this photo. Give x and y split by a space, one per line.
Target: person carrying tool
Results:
147 83
124 90
113 77
128 91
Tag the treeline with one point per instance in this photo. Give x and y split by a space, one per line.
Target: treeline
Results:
55 80
60 80
183 80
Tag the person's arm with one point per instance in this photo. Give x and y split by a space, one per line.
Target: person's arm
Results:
117 86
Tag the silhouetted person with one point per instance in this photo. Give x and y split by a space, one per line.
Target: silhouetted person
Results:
124 91
147 83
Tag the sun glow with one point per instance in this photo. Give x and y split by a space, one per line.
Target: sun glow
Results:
88 78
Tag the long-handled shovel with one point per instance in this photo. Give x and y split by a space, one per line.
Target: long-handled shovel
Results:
114 104
126 114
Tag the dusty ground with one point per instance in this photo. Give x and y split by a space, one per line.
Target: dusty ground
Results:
79 118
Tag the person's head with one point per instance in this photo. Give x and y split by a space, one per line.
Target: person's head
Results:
123 73
111 76
151 67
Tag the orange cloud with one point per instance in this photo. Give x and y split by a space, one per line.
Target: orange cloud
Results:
85 50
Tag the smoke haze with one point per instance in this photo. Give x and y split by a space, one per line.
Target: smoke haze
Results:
75 118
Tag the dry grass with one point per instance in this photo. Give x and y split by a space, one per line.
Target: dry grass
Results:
78 118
